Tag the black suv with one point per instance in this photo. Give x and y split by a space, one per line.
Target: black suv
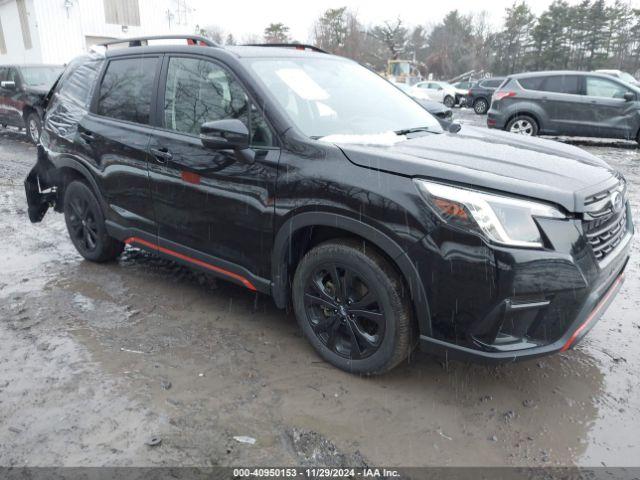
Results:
479 97
272 168
23 89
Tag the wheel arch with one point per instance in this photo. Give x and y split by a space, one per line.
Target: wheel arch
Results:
294 239
527 112
68 170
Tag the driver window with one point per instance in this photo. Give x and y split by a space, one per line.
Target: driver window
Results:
600 87
200 91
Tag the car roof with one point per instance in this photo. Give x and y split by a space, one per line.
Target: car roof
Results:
551 73
240 51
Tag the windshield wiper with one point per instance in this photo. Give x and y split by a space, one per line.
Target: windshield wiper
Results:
407 131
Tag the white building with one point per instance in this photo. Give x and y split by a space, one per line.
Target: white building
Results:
55 31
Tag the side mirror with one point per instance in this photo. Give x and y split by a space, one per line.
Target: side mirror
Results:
9 85
629 96
229 134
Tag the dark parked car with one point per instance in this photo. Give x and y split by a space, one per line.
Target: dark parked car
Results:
567 103
380 228
479 97
23 89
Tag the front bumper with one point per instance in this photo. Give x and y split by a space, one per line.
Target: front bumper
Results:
579 328
495 304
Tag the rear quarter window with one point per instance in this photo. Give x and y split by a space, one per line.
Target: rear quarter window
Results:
78 85
125 92
531 83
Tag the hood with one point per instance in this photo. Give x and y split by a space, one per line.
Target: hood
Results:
495 160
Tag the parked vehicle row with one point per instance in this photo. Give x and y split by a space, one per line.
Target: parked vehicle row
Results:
583 104
254 164
443 113
23 89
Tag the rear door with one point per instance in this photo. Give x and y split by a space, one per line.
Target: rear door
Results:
565 107
115 139
209 205
610 114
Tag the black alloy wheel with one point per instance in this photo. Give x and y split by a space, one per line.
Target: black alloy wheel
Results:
85 224
353 307
345 314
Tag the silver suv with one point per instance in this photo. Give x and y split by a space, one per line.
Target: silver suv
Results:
566 103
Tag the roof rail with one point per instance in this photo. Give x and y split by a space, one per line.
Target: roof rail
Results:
140 41
297 46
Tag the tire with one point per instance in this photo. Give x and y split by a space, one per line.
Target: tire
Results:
369 305
33 127
449 101
481 106
523 125
85 224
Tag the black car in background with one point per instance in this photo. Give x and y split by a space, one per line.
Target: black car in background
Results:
23 89
584 104
479 97
380 228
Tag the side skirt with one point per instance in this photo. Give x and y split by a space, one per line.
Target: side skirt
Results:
190 257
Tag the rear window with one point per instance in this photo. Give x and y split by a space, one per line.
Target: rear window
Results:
562 84
492 83
125 93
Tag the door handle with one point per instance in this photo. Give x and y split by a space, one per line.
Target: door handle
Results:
163 155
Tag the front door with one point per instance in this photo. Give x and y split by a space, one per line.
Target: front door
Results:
611 115
210 205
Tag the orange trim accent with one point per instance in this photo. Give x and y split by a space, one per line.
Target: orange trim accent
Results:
195 261
190 177
593 314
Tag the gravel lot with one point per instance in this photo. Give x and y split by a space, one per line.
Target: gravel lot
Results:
95 360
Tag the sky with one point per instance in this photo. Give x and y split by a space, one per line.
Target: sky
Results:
243 17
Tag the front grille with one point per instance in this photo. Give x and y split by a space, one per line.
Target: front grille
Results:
605 234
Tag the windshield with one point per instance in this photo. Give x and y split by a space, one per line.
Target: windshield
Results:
41 76
333 96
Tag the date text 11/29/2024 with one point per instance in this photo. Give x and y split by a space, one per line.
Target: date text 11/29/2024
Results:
315 473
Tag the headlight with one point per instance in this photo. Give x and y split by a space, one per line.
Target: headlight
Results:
504 220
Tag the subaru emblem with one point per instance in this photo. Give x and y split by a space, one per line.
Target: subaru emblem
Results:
617 202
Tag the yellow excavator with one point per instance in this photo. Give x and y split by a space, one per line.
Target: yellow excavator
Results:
403 71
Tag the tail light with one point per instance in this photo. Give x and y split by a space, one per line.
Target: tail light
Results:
501 95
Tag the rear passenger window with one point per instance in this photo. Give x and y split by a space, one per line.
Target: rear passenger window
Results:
125 93
562 84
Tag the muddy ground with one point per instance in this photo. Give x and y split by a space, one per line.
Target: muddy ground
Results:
95 360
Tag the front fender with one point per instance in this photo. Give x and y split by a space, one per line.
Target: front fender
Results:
280 274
